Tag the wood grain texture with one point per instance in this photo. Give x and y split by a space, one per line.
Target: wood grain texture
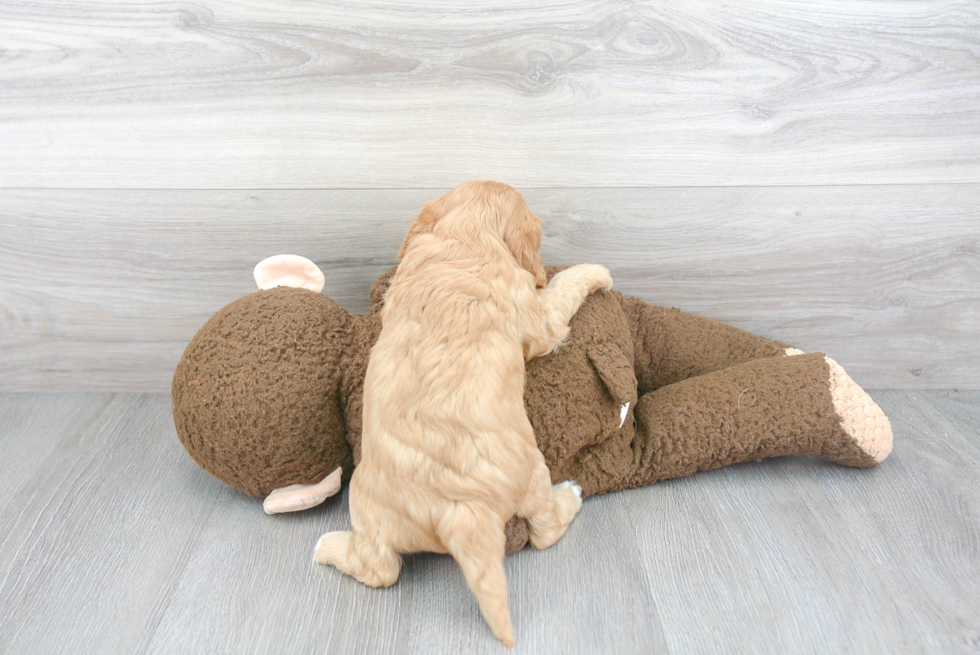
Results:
102 290
33 427
97 538
309 94
114 541
825 560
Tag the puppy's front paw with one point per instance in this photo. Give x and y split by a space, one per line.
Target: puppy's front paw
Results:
331 549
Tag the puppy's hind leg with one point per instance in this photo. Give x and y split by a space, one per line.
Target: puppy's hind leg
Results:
476 541
549 509
359 556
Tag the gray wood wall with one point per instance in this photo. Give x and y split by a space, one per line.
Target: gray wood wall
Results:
807 171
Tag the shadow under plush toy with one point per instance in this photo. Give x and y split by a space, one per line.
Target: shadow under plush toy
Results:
267 396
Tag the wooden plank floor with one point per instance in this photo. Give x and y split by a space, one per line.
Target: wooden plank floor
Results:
113 541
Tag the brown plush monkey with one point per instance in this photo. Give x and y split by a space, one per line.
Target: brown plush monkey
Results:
267 396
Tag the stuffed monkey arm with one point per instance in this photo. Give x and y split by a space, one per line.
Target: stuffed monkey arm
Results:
671 345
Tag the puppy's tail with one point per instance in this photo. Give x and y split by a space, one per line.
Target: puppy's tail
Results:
476 541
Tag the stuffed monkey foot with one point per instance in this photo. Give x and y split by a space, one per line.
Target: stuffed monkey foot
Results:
803 404
860 418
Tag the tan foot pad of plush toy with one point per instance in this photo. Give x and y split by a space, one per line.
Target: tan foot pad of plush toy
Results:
860 417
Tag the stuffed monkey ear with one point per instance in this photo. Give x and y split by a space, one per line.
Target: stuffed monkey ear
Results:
523 236
288 271
431 212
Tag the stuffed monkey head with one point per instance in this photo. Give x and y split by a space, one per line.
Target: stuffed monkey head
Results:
257 394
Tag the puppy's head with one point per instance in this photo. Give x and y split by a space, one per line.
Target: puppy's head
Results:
478 208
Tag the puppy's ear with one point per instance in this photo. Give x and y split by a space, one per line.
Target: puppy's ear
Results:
523 236
431 212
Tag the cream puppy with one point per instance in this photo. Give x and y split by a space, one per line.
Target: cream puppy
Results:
448 454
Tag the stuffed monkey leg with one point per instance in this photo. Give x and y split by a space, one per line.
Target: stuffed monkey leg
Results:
779 406
671 345
801 405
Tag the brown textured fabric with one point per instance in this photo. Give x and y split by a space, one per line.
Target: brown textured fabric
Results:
270 393
516 534
759 409
256 394
574 396
672 345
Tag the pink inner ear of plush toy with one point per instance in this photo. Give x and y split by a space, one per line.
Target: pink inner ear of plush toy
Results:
288 271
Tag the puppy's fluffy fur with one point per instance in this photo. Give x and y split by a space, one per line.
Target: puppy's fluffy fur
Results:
448 453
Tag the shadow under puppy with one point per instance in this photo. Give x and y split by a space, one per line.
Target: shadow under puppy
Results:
448 454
